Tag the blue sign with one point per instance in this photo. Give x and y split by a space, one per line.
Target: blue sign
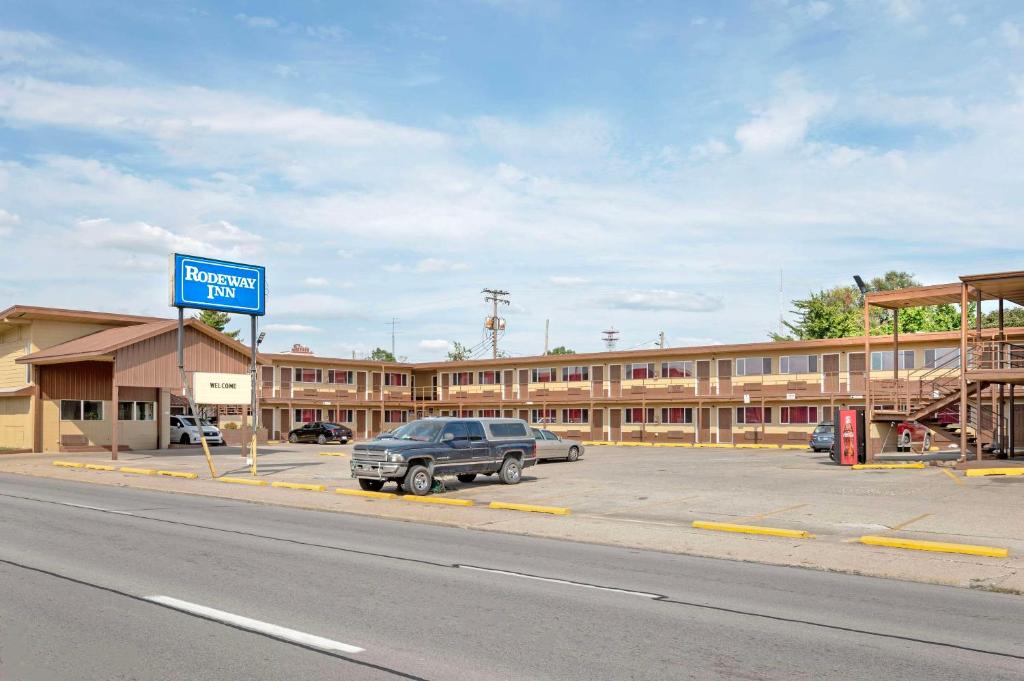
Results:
206 284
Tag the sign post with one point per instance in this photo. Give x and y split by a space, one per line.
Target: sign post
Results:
208 284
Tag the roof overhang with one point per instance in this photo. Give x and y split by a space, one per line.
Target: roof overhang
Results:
917 296
1006 285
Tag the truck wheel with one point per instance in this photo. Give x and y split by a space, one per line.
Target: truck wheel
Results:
371 485
466 477
418 481
510 472
574 453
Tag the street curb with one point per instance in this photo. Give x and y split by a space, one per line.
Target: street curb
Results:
935 546
528 508
437 500
178 474
299 485
981 472
69 464
752 529
244 481
100 467
886 466
365 493
137 471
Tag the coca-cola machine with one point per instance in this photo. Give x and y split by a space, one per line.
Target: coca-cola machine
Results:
849 444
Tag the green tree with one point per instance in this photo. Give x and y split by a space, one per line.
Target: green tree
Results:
561 350
217 320
1012 316
381 355
458 353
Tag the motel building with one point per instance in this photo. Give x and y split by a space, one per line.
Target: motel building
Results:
77 380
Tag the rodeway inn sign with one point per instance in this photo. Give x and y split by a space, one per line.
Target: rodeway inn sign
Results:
206 284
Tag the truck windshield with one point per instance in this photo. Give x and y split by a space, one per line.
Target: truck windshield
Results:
423 431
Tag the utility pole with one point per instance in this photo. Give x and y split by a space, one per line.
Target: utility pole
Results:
494 322
610 337
661 340
547 323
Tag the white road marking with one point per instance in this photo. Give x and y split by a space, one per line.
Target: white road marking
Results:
562 581
256 625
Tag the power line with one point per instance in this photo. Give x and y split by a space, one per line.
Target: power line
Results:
610 337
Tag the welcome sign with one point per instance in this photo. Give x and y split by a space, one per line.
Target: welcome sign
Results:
207 284
211 388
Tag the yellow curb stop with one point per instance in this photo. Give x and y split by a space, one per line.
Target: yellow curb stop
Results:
99 467
299 485
941 547
333 454
438 500
137 471
529 508
178 474
752 529
244 481
69 464
365 493
981 472
886 466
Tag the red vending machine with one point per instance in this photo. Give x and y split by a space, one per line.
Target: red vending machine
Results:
849 436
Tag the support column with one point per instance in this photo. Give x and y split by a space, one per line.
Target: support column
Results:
114 421
1013 428
869 450
1001 412
977 397
896 357
963 372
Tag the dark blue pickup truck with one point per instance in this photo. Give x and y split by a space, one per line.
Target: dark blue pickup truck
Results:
416 453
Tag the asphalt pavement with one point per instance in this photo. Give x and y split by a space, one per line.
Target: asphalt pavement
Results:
102 582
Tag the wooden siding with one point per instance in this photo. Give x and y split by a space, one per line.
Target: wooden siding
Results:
154 362
76 381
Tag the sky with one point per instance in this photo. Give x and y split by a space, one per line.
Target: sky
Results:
676 167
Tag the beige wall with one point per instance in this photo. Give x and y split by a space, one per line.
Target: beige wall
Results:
46 334
133 434
13 344
15 422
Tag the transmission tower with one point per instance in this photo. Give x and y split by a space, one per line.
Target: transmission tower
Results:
610 338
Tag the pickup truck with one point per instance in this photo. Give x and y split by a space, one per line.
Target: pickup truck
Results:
416 453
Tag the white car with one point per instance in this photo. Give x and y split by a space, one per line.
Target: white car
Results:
185 431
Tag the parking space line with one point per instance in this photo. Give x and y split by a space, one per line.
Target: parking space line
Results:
910 522
952 475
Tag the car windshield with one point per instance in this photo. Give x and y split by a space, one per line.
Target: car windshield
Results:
423 431
824 429
187 421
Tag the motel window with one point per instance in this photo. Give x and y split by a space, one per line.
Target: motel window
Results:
753 366
638 415
575 416
342 377
677 415
81 410
753 415
465 413
677 369
575 373
396 379
341 416
395 416
798 364
798 415
946 358
488 413
881 360
488 377
136 411
639 371
462 378
542 416
543 375
308 376
308 415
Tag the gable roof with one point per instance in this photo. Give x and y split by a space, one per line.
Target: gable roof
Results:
16 312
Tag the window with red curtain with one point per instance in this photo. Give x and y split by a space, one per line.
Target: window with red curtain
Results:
489 413
395 416
575 416
677 415
543 375
753 415
543 416
575 373
308 415
677 369
337 376
462 378
396 379
799 415
639 415
637 371
489 377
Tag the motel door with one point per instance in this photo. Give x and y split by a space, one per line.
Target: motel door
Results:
376 420
361 422
524 414
597 380
361 385
267 421
377 379
615 380
524 384
507 377
725 377
704 424
725 425
704 377
597 424
830 367
856 362
286 421
268 382
615 424
445 378
286 383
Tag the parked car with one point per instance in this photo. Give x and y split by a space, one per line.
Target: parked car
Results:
551 446
909 433
823 436
321 432
185 431
416 453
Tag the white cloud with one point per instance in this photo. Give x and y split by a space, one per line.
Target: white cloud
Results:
434 344
560 280
709 150
433 265
39 53
585 134
902 10
8 221
310 306
316 282
1011 34
142 238
662 299
783 124
257 22
293 328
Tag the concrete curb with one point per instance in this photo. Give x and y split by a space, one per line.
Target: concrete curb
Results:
935 546
437 500
244 481
69 464
100 467
299 485
178 474
528 508
887 466
365 493
137 471
752 529
982 472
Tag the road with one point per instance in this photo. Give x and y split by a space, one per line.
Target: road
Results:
112 583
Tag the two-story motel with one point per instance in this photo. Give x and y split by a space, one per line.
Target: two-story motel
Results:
73 380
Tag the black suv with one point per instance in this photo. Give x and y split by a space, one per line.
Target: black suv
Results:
321 432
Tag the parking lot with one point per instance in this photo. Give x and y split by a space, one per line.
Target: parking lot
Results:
648 497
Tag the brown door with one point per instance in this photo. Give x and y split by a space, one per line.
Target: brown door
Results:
524 384
704 424
267 421
597 424
267 378
508 413
445 378
725 377
597 380
286 422
361 422
361 385
856 361
830 369
703 378
524 414
376 386
615 380
507 378
286 383
376 422
725 425
615 424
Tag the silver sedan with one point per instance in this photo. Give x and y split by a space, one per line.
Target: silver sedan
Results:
550 446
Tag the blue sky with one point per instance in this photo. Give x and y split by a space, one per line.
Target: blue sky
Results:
651 166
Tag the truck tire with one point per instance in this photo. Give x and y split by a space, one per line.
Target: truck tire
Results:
418 481
574 453
466 477
510 472
371 485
